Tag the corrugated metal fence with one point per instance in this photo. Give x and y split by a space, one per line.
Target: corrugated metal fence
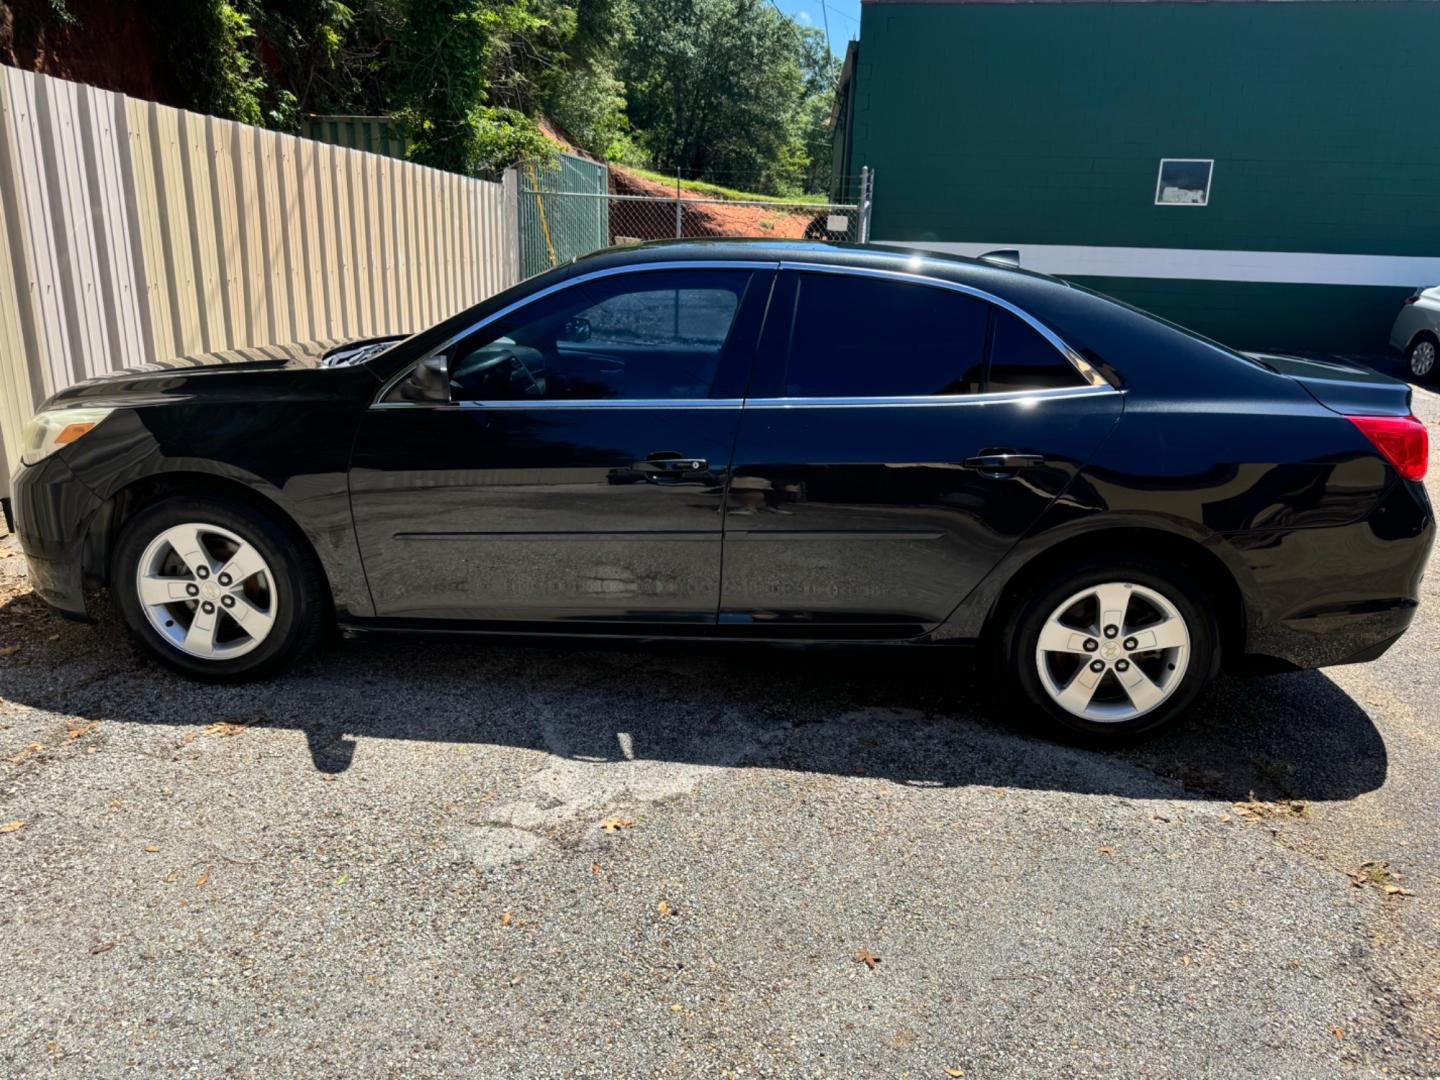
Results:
131 232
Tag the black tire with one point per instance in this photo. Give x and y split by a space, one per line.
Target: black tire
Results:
302 609
1411 360
1175 582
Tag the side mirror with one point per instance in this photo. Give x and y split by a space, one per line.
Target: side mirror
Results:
577 329
429 381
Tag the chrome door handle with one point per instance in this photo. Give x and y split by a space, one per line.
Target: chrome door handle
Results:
674 463
1003 462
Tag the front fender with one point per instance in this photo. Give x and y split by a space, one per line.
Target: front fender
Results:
309 490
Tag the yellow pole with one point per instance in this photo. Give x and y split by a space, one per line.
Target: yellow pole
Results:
540 204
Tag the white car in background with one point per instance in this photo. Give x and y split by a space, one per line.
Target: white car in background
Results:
1416 333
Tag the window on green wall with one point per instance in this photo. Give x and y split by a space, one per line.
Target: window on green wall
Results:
1184 182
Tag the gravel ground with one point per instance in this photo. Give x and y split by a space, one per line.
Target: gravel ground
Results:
396 861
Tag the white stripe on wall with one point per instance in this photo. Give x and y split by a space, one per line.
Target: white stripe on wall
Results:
1187 264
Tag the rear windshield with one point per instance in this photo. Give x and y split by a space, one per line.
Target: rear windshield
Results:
1217 346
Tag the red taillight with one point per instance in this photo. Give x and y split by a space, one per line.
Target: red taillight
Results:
1402 439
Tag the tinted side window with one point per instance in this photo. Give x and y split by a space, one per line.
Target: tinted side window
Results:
865 337
650 335
1020 359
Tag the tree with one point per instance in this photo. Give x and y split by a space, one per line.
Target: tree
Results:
714 89
820 72
211 43
442 68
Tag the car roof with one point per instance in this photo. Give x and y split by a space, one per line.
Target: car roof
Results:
912 260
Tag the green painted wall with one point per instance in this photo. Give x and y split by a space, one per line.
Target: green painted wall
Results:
1277 317
1045 123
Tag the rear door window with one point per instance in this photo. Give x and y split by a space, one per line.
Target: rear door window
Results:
857 336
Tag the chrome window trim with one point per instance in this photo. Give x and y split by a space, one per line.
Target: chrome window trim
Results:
1001 397
1094 382
565 403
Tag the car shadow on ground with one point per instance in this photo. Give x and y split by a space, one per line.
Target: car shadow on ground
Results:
920 716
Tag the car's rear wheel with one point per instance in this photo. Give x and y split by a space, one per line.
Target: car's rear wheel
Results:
217 589
1110 649
1422 355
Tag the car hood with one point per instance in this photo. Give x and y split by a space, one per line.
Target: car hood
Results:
234 373
322 352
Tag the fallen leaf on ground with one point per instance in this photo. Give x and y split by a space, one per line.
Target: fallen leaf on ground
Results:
507 918
98 949
9 650
1185 960
663 908
615 824
76 732
676 1008
1339 1033
223 729
1107 851
866 957
12 826
953 1072
595 868
203 879
152 848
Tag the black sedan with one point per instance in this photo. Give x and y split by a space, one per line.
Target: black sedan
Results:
756 441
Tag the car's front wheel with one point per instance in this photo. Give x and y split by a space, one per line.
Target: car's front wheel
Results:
1110 649
1421 356
216 589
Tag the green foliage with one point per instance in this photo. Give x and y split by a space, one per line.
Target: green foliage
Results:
211 54
443 69
714 90
723 90
307 40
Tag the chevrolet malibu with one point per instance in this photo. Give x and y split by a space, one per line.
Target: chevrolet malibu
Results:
756 441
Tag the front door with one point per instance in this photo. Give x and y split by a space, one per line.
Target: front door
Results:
578 471
899 438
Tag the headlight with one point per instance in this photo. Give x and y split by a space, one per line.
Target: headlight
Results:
49 431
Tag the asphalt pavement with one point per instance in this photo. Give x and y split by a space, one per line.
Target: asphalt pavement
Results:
457 857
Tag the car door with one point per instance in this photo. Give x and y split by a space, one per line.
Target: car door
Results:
577 471
899 436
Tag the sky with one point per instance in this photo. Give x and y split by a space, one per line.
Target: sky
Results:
844 18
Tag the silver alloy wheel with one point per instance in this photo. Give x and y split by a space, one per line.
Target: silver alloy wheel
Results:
1422 358
207 591
1113 652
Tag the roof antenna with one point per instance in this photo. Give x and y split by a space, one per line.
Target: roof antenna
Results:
1003 257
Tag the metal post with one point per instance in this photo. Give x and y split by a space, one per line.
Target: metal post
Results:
867 198
679 227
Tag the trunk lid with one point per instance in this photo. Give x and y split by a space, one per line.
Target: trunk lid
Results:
1343 387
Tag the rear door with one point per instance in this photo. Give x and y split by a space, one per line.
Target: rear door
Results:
577 472
899 436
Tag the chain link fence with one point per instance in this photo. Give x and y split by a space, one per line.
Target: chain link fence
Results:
563 215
